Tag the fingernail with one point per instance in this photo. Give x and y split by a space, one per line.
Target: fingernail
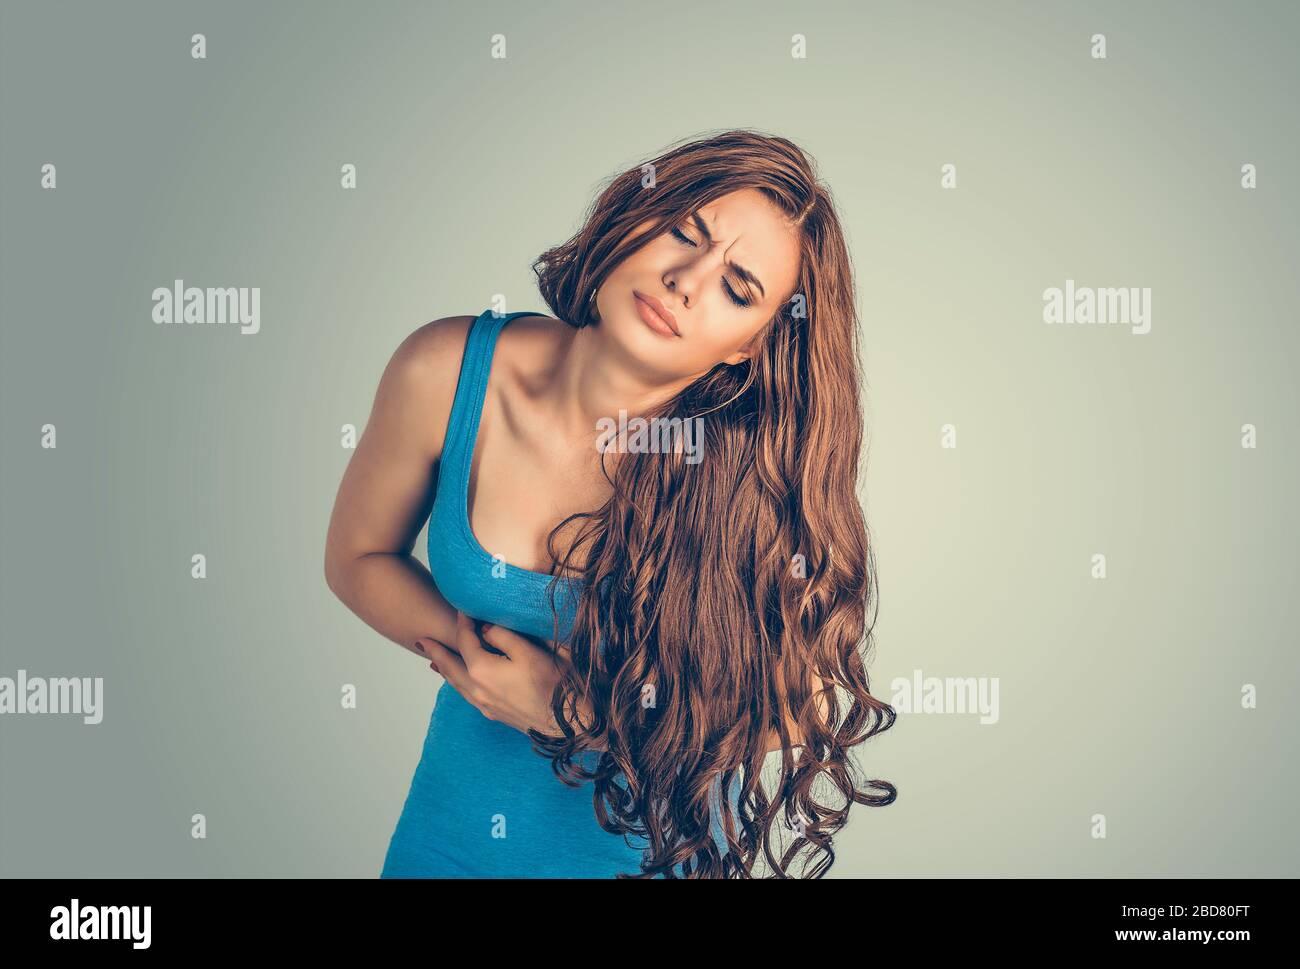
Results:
420 646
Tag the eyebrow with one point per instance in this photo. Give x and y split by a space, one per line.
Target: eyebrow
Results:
740 270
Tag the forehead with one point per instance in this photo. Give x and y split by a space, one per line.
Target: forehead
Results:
757 235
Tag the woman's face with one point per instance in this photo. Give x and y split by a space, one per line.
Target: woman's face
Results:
737 248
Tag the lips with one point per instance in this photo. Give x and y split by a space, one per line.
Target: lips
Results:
660 310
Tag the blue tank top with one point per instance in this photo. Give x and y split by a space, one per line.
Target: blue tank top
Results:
482 803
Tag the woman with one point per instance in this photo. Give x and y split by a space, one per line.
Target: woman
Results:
661 617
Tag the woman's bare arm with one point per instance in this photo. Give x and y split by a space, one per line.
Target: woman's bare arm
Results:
387 492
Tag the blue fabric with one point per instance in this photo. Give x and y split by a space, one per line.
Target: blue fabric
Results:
482 803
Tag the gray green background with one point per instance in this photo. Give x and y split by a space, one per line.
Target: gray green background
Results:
1118 697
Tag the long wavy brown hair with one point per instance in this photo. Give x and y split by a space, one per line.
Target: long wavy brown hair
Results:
709 592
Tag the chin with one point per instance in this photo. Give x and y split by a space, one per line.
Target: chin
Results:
640 343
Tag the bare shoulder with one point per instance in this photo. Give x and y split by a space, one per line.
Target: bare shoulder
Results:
530 346
438 344
421 377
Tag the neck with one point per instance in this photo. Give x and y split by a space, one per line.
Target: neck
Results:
594 378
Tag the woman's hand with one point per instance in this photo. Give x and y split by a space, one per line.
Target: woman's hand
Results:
514 688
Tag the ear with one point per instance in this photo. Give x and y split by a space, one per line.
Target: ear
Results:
746 351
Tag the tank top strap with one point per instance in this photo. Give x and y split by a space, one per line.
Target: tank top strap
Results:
471 390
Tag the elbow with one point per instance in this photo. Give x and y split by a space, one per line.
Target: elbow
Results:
335 570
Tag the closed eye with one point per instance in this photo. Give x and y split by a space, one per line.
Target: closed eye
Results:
726 287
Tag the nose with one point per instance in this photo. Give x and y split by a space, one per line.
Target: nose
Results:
673 287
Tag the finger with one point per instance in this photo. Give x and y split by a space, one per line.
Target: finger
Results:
449 664
467 641
482 628
512 643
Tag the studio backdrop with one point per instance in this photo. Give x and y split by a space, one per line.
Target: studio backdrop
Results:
1073 229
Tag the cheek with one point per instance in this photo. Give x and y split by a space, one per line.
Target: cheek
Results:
736 331
714 345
